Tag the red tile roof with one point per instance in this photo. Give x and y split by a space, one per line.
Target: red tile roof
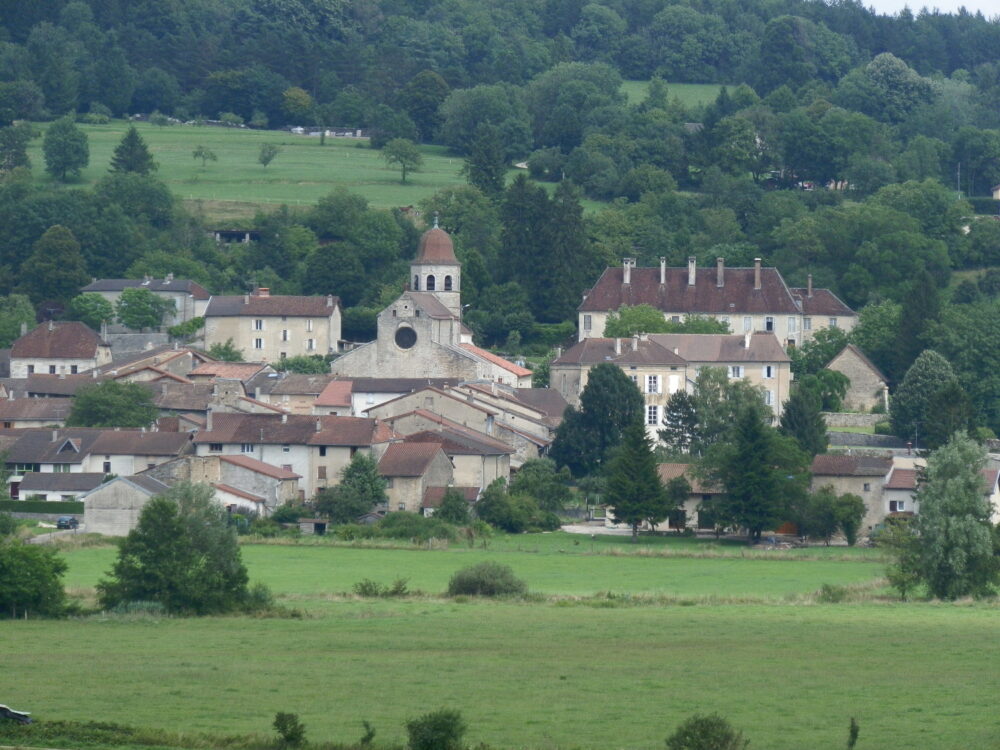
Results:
238 492
336 393
228 370
408 459
434 495
56 409
260 467
271 306
497 360
840 465
902 479
57 340
435 248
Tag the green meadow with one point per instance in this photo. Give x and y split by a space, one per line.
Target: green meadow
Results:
689 94
616 646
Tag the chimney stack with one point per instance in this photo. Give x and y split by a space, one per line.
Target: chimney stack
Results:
635 342
627 270
284 417
329 300
618 346
809 286
756 274
692 269
746 340
52 325
263 291
663 270
208 421
24 328
246 299
720 272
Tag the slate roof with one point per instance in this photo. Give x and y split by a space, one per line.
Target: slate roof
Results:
67 339
260 467
193 288
431 305
435 248
294 429
147 483
47 385
60 481
705 297
174 396
291 384
840 465
676 349
454 395
408 459
271 306
549 401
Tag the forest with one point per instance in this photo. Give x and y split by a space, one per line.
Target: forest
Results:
859 148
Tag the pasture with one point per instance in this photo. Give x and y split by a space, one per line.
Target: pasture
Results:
687 628
689 94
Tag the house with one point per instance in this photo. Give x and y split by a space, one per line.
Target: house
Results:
170 362
243 372
34 412
478 459
270 328
335 399
869 388
747 299
87 450
900 492
433 497
695 512
113 508
864 476
996 192
452 405
410 469
315 448
58 348
189 299
365 392
421 333
292 392
661 364
59 487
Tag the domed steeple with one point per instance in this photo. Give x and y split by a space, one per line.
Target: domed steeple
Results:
436 269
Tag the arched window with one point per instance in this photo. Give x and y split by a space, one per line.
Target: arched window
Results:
430 282
416 283
447 283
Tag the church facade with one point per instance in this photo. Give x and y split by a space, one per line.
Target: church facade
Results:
421 335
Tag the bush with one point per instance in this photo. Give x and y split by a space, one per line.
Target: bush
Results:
883 428
31 580
983 205
288 513
487 579
832 594
368 588
8 524
438 730
289 728
706 733
413 526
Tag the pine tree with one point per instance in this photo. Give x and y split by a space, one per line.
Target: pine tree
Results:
568 262
956 542
486 164
680 422
55 269
634 488
801 419
132 155
921 307
908 409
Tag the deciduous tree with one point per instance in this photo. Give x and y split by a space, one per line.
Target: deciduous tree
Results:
55 269
30 580
139 308
65 148
112 404
404 154
267 153
91 309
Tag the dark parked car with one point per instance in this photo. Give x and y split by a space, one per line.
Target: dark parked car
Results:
67 522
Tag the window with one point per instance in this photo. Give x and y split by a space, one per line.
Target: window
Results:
431 282
31 369
634 379
107 467
321 472
246 447
447 283
736 371
747 323
7 425
258 343
402 506
587 322
282 355
311 343
52 369
768 371
284 334
793 325
73 369
675 318
897 506
258 325
286 467
62 468
25 468
807 324
416 283
868 487
322 450
769 398
309 322
652 415
215 447
286 448
768 323
833 322
652 384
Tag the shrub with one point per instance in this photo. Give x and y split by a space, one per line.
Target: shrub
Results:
832 594
438 730
289 728
883 428
8 524
487 579
403 525
287 513
706 733
368 588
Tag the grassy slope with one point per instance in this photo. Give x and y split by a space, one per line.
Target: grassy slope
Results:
690 94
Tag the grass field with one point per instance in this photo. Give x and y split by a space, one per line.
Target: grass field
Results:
234 186
731 633
690 94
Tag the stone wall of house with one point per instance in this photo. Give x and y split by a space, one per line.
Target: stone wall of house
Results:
865 390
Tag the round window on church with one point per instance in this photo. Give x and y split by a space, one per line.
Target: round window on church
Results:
405 338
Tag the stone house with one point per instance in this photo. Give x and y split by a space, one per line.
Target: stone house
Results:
315 448
661 364
478 459
410 469
114 507
291 392
189 299
695 512
34 412
58 348
453 406
864 476
747 299
869 387
335 399
269 328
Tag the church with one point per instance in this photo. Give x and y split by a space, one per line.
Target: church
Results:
421 334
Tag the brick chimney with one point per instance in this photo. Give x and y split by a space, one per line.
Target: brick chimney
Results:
756 274
692 270
720 272
263 291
